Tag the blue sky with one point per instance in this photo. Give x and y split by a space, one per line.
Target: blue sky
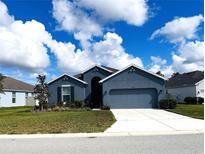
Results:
164 50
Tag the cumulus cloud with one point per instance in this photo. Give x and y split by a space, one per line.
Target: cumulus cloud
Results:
134 12
180 29
5 18
22 44
159 64
73 17
189 52
190 57
108 51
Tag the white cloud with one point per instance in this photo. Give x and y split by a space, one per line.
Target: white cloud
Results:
72 19
159 64
5 18
134 12
180 29
22 44
108 51
190 57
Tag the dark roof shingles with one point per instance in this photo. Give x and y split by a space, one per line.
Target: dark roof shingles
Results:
185 79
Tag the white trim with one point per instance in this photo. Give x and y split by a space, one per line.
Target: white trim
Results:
101 81
95 65
199 82
68 76
10 90
62 86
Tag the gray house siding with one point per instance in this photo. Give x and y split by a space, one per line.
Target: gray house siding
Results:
143 85
90 74
78 89
181 92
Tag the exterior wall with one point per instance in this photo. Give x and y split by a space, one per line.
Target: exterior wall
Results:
87 77
6 99
79 89
200 89
182 92
132 80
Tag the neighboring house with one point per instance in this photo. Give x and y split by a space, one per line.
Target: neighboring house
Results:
16 93
131 87
185 85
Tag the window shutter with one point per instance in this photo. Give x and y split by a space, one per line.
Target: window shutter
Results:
59 94
72 94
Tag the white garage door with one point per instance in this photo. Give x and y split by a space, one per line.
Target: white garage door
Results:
133 98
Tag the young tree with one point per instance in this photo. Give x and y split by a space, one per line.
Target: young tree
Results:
41 91
1 83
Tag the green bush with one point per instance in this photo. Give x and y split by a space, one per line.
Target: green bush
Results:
167 103
190 100
79 104
105 107
200 100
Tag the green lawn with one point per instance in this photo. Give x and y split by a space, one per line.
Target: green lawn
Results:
194 111
19 120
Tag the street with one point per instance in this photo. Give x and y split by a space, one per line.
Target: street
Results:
164 144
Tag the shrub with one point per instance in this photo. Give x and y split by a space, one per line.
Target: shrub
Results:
200 100
167 103
79 104
105 107
190 100
60 104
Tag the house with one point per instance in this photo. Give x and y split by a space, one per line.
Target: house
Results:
16 93
131 87
185 85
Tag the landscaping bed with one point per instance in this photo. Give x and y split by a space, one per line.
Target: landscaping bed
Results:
191 110
20 120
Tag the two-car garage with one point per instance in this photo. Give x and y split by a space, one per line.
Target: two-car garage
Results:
132 87
133 98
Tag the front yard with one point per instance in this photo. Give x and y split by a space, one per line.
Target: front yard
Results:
19 120
194 111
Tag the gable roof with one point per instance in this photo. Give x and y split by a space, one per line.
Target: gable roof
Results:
106 68
83 82
131 65
16 85
185 79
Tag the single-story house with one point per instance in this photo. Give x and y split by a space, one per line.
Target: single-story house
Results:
16 93
187 84
131 87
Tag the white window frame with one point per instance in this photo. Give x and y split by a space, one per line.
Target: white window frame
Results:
13 97
65 86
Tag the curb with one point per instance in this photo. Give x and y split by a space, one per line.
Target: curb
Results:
94 135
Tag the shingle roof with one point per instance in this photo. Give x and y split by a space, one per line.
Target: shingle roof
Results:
185 79
14 84
113 70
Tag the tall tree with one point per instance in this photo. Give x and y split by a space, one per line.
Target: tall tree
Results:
41 91
1 83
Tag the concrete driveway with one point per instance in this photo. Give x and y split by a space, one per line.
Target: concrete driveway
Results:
152 120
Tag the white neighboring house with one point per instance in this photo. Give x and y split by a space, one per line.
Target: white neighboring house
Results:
16 93
185 85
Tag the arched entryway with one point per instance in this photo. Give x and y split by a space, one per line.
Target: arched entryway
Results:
96 92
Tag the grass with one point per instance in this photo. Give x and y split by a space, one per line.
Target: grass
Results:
19 120
194 111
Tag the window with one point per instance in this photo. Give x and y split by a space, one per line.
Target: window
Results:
13 97
66 93
26 96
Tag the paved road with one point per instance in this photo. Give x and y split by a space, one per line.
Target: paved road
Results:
172 144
